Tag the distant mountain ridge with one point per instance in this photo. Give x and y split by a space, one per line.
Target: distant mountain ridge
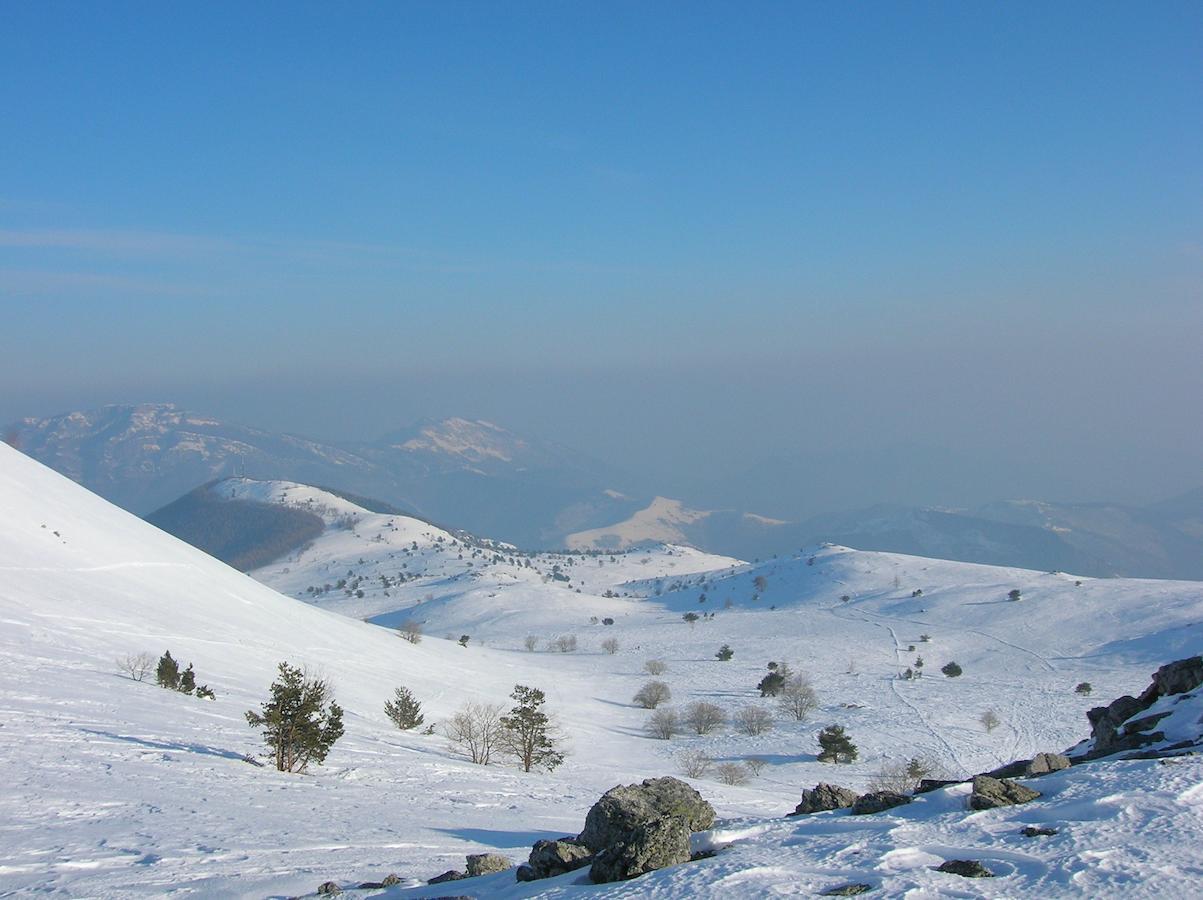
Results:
473 475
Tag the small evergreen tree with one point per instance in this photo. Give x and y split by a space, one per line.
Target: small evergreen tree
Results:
1084 688
527 732
167 673
204 692
952 670
404 709
300 720
724 653
772 683
187 680
835 746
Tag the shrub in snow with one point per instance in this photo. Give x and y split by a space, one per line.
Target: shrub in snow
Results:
724 653
952 670
565 643
610 645
704 717
655 667
404 709
695 763
653 694
411 631
755 765
989 720
463 639
797 698
530 642
1084 688
300 720
663 723
731 773
835 746
753 720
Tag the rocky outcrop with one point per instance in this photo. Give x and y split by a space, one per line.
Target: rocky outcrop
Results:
966 868
1037 831
1044 763
449 875
847 890
1120 727
647 846
551 858
613 818
487 863
989 793
823 797
878 801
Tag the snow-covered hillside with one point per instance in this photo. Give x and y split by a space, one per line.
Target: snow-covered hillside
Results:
117 788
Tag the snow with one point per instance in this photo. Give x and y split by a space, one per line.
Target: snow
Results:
116 788
660 520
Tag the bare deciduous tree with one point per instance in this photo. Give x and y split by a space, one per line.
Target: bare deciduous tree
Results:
653 694
704 717
989 720
695 763
476 730
755 765
655 667
797 697
411 631
530 642
753 720
904 777
663 723
610 645
136 665
565 643
731 773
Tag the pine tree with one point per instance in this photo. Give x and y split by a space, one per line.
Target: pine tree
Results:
300 721
836 746
528 733
404 709
725 652
187 681
167 673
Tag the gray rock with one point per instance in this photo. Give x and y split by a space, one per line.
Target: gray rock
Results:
1037 831
823 797
487 863
878 801
989 793
621 810
1179 677
847 890
449 875
966 868
1043 763
391 879
648 846
328 889
927 785
526 873
551 858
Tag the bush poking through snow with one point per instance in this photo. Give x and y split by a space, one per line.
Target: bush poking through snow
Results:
300 720
797 698
1084 688
653 694
663 723
655 667
989 720
752 720
411 631
904 777
731 773
404 709
695 763
952 670
724 653
704 717
136 666
530 642
610 645
565 643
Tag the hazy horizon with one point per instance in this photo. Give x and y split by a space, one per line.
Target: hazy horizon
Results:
939 255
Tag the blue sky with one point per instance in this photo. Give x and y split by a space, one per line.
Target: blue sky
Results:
978 217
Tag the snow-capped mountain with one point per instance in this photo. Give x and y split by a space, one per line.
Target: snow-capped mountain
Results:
117 788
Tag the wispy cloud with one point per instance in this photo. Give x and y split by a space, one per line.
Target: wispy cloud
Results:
32 282
151 243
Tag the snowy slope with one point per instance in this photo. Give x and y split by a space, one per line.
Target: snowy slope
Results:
115 788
